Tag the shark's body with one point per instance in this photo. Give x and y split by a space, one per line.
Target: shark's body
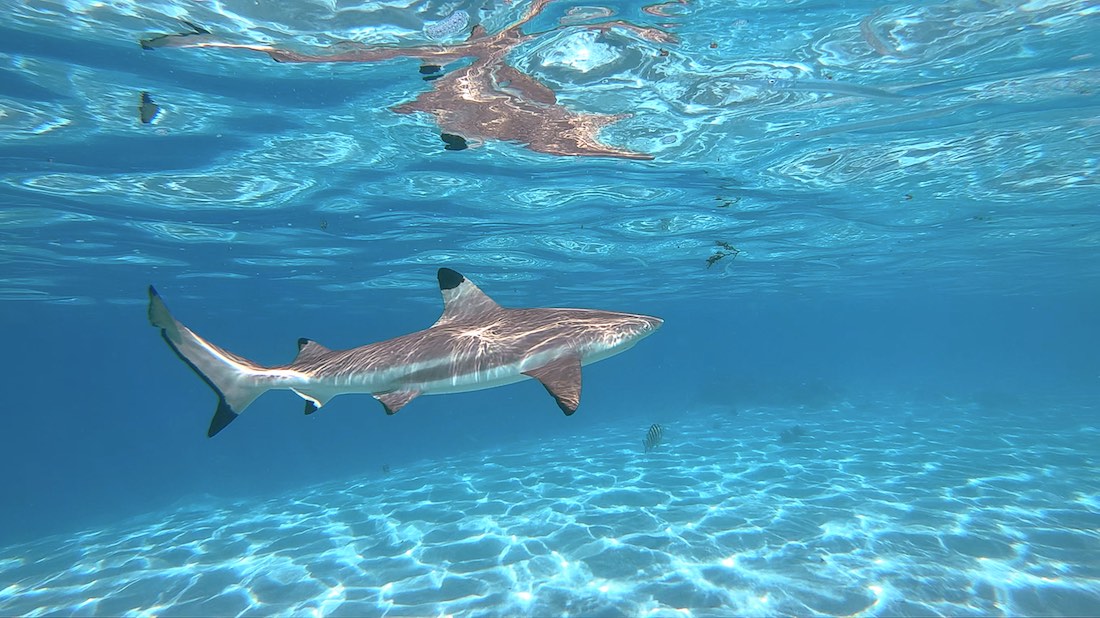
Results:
475 344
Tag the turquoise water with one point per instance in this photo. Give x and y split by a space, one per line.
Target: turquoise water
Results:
871 230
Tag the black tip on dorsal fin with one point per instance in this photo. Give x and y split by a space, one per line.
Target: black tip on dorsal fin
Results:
302 342
461 298
154 306
449 279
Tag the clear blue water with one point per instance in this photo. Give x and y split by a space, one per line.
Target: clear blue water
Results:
878 223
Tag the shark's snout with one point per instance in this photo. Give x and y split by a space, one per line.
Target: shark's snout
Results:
645 326
638 327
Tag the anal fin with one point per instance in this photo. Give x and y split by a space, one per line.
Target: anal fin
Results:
562 379
395 400
314 400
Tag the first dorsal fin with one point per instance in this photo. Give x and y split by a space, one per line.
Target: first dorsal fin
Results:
309 349
462 300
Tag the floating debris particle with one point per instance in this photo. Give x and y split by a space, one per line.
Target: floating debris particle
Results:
148 109
453 142
653 437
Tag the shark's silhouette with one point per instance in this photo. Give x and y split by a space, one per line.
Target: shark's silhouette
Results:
475 344
488 99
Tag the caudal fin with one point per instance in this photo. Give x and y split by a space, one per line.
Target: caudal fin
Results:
237 381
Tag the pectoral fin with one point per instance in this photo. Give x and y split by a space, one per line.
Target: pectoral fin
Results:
395 400
562 379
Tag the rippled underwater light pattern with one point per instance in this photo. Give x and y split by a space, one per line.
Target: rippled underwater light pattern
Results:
873 511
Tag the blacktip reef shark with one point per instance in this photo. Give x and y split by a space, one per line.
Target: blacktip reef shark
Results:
475 344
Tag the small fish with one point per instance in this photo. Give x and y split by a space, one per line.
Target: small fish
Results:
148 108
653 437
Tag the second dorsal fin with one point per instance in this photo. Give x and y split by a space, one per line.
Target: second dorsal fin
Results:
477 32
462 300
309 349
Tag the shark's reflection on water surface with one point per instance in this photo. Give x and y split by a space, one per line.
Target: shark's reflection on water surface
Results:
486 99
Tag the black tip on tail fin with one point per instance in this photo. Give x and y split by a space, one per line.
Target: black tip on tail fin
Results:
160 317
237 381
153 297
222 417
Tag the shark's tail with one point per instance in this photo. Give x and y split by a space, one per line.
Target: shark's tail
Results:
237 381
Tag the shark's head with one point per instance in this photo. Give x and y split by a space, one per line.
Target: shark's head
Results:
610 333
